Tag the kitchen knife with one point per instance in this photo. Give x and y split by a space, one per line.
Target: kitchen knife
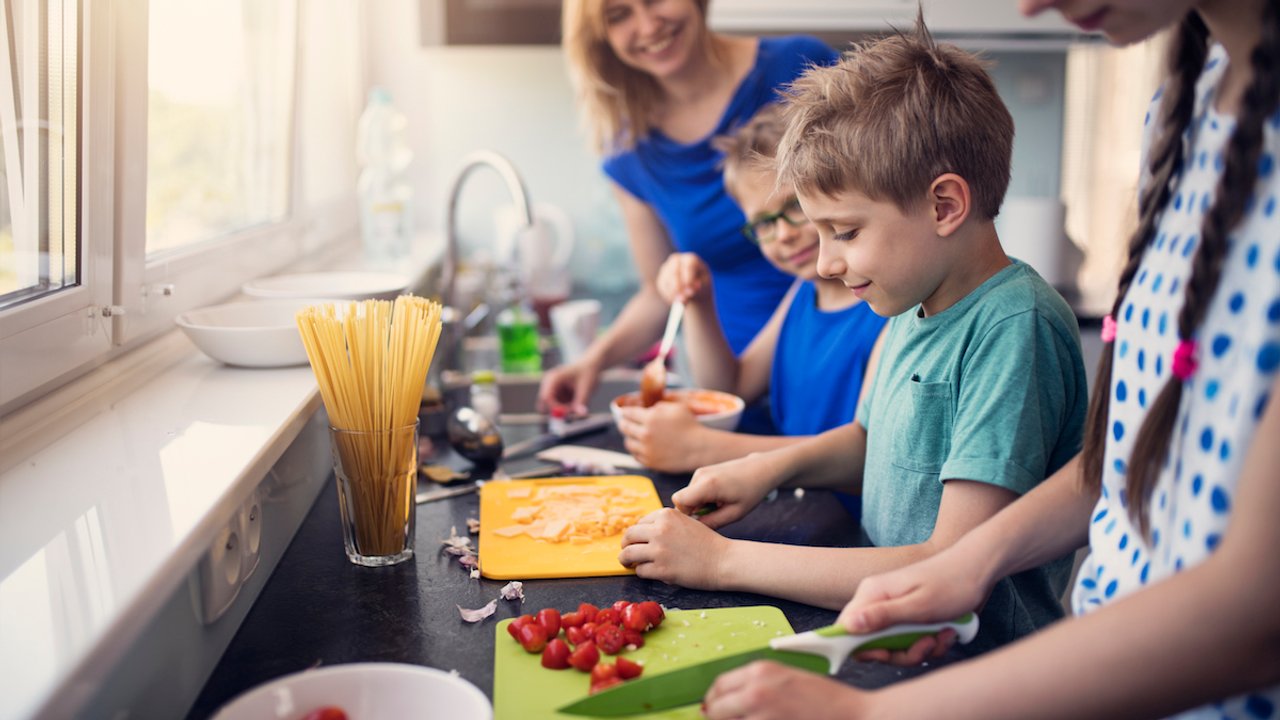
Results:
821 650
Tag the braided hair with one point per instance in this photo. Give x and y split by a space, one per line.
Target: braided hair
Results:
1231 199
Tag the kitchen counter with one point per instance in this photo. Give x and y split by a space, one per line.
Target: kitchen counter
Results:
319 609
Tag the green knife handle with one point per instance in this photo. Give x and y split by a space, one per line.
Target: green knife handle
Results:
835 644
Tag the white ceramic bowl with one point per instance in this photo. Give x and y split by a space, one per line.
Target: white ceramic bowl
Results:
713 408
259 334
340 285
364 691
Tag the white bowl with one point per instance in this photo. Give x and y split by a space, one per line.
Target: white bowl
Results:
341 285
713 408
249 334
364 691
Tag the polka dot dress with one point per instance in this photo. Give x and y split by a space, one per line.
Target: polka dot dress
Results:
1238 355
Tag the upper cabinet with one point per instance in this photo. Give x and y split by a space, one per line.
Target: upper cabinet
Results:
489 22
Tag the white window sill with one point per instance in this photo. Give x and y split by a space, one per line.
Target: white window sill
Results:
152 454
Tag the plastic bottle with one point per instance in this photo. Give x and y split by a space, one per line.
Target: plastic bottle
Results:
484 395
517 332
383 154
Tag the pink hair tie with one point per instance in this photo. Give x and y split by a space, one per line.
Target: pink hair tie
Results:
1108 329
1184 360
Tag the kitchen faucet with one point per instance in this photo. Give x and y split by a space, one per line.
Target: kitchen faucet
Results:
455 326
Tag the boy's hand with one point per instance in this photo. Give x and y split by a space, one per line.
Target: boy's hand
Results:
772 691
570 385
733 488
683 276
938 588
665 437
674 548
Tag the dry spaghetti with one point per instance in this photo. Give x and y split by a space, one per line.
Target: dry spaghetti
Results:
370 361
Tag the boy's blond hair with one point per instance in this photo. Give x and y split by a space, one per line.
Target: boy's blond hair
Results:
892 116
615 99
752 146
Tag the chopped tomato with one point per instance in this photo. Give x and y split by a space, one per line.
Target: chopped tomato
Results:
549 619
585 656
588 629
603 671
576 635
556 655
532 637
653 611
588 611
608 616
609 639
628 669
632 639
621 605
572 619
635 618
604 685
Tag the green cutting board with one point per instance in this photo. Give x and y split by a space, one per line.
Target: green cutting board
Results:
524 690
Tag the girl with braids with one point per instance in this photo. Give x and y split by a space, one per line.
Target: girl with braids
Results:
1177 487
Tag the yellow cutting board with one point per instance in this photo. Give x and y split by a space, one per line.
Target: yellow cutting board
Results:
524 690
524 558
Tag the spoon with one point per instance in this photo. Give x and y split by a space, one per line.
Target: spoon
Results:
653 379
474 436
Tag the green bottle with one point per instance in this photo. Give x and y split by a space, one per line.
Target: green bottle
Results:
518 340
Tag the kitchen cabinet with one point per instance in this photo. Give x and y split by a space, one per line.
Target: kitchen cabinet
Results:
319 609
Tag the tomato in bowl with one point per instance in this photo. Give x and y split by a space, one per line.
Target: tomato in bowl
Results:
712 408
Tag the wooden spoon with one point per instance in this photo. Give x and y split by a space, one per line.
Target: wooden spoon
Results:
653 379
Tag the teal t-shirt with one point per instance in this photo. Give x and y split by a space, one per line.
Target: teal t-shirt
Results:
993 390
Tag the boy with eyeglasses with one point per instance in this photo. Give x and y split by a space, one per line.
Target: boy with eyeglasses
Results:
810 357
979 392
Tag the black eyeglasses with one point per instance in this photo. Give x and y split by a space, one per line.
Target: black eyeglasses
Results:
764 228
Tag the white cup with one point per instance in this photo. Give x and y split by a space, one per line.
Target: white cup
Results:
575 324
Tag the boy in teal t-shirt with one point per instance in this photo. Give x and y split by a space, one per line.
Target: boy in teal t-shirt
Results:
900 155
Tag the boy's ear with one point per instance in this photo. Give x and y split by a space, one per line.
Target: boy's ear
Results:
949 201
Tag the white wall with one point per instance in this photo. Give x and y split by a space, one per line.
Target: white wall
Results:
515 100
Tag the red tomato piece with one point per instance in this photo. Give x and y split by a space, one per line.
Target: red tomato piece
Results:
585 656
632 639
628 669
609 639
608 616
635 618
556 655
588 611
603 671
576 635
549 619
604 685
532 637
588 629
572 619
621 605
653 611
326 713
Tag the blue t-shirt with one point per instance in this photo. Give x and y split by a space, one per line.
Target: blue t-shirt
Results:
1238 357
684 185
819 363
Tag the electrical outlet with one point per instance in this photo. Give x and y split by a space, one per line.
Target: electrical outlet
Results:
219 575
250 517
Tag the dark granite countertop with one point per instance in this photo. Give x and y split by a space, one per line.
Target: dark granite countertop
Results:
319 609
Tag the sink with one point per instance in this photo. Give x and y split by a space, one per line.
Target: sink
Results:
518 394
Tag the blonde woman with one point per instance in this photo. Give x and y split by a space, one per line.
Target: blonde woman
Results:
655 86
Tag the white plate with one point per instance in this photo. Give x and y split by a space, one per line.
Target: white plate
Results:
364 691
250 334
341 285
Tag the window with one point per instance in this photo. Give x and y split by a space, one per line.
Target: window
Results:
39 253
168 165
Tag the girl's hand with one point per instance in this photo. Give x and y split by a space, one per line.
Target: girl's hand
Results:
936 589
683 276
771 691
665 437
674 548
733 488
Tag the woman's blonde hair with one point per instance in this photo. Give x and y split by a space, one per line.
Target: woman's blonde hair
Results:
615 100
